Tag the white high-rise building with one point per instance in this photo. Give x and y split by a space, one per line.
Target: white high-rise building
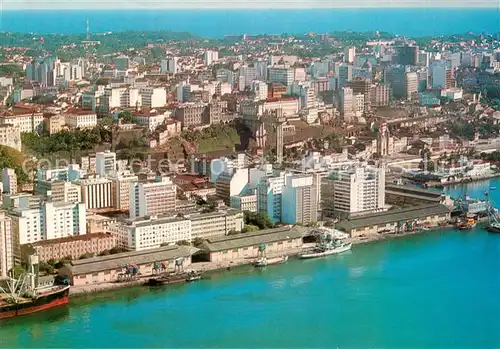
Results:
121 190
260 90
357 189
231 184
48 220
6 244
269 195
247 75
152 199
345 102
169 65
210 57
105 163
9 181
299 201
153 97
411 85
96 192
349 54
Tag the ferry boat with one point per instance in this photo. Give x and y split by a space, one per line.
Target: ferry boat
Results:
469 223
22 297
264 261
331 242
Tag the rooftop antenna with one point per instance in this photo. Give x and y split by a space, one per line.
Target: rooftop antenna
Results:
88 30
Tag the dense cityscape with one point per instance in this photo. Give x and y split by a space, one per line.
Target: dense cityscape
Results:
126 155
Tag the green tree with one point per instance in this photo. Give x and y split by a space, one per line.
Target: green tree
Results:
183 243
249 228
198 241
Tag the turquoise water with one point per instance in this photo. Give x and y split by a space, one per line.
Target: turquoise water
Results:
437 290
220 22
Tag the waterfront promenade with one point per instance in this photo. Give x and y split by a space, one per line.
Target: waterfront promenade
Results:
421 291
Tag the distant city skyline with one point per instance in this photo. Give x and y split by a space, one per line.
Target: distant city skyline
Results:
254 4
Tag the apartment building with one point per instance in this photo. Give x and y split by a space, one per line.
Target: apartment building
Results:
105 163
48 220
146 233
121 190
355 190
207 225
10 136
153 198
96 192
299 200
9 181
81 119
74 246
32 122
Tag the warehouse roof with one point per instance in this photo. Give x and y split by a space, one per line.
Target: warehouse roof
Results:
393 216
252 239
96 264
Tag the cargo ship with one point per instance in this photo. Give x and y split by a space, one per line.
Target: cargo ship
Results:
21 296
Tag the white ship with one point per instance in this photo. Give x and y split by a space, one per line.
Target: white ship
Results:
331 242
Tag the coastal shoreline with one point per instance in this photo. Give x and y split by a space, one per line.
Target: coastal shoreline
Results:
210 268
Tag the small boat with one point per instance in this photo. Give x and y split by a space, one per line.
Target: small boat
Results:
493 188
193 276
167 280
469 223
493 228
264 262
321 251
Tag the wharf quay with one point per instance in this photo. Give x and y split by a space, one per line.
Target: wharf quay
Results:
465 180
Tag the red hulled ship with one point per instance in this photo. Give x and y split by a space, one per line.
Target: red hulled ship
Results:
22 297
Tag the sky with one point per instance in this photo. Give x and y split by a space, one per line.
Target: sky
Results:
203 4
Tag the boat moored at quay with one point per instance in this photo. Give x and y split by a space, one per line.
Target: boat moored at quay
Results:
21 296
331 242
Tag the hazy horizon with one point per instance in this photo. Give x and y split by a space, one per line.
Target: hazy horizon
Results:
247 4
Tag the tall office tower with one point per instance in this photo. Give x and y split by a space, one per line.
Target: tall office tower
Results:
395 76
280 121
441 75
269 195
9 181
423 58
152 199
210 57
356 190
122 184
345 103
282 74
6 244
343 74
105 163
349 54
363 86
121 62
411 86
383 140
230 184
299 201
407 55
96 192
380 95
246 74
169 65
